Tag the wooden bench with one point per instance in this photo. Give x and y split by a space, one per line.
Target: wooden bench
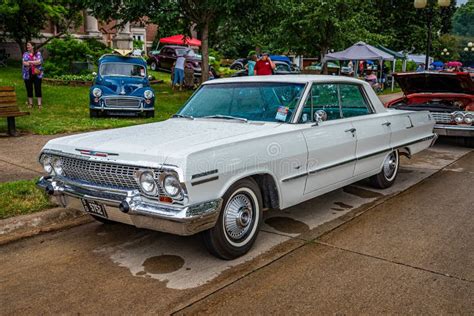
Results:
9 108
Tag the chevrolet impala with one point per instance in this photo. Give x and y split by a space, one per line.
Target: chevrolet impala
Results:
238 147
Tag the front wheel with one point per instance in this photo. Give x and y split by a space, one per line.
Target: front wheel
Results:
94 113
153 65
149 114
239 221
386 177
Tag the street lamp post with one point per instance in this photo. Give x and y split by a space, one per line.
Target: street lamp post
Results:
423 4
469 47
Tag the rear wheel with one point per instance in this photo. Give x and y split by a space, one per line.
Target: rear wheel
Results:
386 177
239 221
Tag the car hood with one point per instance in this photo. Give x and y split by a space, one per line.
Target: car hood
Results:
435 82
122 85
152 144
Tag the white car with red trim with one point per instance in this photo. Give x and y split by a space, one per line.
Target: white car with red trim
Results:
239 146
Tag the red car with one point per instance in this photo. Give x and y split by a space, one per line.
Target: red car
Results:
448 96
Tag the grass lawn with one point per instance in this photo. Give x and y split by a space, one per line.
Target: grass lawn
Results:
21 197
66 108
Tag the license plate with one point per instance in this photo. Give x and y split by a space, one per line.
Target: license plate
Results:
94 208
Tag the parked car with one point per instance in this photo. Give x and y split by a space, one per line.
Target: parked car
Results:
167 56
240 63
121 87
238 146
281 68
448 96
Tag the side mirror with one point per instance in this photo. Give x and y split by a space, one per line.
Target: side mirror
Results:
320 116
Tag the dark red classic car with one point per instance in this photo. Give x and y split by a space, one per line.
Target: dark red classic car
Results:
448 96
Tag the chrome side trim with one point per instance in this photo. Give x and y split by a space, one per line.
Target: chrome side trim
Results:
204 181
203 174
311 172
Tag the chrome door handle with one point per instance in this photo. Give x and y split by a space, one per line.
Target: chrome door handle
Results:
387 123
352 130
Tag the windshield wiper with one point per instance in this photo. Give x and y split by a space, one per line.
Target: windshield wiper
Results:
227 117
184 116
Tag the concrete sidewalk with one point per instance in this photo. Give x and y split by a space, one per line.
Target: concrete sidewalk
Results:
413 254
19 156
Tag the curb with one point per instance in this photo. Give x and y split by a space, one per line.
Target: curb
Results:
23 226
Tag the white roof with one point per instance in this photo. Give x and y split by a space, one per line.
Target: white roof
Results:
286 78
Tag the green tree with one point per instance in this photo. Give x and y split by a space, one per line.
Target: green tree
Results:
202 15
463 20
23 20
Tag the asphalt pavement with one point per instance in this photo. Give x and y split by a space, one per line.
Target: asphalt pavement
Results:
408 249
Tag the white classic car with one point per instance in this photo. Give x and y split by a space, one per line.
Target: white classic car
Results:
238 146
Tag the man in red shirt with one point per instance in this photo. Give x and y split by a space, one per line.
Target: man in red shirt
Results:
264 66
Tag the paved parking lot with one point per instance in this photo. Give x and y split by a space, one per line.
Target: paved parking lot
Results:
406 249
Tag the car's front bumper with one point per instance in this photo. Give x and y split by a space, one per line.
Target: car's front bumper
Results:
454 130
131 208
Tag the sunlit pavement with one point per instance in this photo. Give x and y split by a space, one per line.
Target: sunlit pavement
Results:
406 249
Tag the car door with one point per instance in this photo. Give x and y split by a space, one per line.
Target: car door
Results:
331 143
167 61
372 130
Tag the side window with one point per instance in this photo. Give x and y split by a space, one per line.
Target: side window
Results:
322 97
353 102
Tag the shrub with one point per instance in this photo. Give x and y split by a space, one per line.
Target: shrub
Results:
63 52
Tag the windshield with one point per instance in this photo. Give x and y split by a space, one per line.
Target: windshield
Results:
185 51
270 102
122 69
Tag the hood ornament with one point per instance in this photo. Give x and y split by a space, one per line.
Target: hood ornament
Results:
95 153
122 90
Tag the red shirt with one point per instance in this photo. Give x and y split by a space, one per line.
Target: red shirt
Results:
263 68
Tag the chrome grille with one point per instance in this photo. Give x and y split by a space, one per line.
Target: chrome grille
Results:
122 102
100 173
442 117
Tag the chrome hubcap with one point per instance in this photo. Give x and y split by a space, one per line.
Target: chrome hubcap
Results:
238 216
390 165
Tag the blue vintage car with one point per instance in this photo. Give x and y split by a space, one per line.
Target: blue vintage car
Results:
121 87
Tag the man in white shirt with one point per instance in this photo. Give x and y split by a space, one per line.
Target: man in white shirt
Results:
179 71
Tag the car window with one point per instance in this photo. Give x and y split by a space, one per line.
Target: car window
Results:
337 100
122 69
270 102
353 102
322 97
282 67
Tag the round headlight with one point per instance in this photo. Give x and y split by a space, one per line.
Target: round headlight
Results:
148 94
458 117
171 186
46 161
96 92
58 166
147 183
468 118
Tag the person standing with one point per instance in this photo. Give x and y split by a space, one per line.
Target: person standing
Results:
32 71
264 66
251 65
178 77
